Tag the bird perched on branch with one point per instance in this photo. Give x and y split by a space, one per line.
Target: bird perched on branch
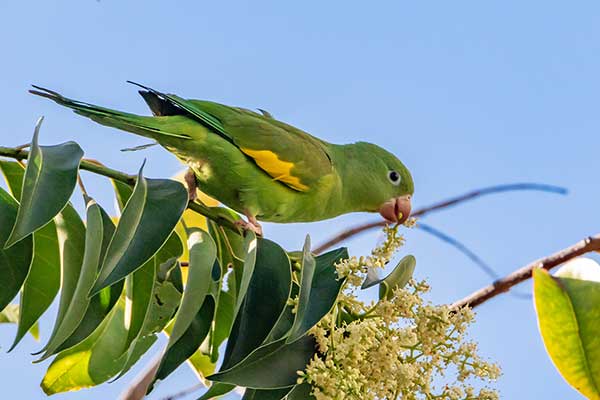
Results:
262 167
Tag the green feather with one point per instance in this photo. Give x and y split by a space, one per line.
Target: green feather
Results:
237 155
145 126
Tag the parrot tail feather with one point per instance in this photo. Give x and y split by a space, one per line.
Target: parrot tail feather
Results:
140 125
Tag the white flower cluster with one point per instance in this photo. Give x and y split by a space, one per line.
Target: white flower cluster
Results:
401 348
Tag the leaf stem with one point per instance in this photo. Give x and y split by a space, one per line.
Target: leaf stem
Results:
453 201
97 168
504 284
81 185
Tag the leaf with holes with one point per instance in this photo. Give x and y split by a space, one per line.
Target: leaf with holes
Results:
189 341
202 259
154 299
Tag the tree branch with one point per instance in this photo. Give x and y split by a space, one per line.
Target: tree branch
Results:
99 169
442 205
483 266
502 285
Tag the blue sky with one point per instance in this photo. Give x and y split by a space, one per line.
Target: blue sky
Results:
467 94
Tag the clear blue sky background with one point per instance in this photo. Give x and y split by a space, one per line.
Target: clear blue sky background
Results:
467 94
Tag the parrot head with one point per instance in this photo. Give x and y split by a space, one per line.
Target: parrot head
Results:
384 184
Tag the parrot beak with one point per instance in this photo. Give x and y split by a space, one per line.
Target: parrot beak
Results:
396 210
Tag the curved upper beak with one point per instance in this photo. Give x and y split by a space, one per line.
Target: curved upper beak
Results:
396 210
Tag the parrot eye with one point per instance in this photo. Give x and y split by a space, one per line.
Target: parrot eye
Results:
394 177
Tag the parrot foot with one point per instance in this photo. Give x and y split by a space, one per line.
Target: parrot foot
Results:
192 184
250 225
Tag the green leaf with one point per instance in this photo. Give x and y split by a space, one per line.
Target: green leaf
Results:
165 300
100 306
138 290
14 261
43 280
398 278
201 364
265 394
166 260
50 179
250 245
271 366
10 315
286 319
217 389
265 299
569 321
202 258
189 341
301 392
123 192
92 361
319 289
13 175
95 243
194 317
71 240
223 323
230 245
146 223
156 308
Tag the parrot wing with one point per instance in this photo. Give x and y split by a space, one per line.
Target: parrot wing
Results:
287 154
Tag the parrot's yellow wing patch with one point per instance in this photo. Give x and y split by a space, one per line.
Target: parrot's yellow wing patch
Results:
278 169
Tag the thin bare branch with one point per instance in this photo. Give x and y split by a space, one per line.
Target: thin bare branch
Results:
137 389
489 271
540 187
504 284
485 267
81 185
185 392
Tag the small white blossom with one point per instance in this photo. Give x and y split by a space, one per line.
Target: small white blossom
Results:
397 348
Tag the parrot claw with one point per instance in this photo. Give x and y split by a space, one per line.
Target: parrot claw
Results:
250 225
192 185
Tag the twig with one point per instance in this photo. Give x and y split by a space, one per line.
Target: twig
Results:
502 285
442 205
99 169
23 146
137 389
488 270
81 185
185 392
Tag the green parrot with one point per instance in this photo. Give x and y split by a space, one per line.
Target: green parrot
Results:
261 167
